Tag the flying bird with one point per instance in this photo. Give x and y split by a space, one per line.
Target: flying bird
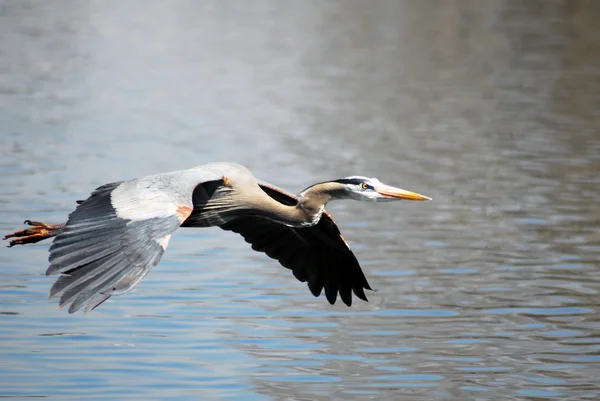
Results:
117 235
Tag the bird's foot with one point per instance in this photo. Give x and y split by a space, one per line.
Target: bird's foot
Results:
36 233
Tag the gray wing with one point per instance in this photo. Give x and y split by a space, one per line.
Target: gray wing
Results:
99 254
117 235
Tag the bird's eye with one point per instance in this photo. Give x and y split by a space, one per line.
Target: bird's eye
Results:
364 185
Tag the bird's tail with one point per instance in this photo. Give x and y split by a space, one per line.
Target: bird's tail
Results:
36 233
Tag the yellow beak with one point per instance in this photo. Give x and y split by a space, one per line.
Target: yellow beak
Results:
397 193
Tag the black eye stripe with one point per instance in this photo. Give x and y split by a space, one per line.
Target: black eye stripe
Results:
358 181
353 181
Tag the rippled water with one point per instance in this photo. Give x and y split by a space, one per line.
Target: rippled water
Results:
488 292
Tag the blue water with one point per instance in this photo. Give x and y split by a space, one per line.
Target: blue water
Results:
488 292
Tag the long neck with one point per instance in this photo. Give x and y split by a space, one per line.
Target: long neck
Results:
308 210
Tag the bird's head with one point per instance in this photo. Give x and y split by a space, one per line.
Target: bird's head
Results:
371 189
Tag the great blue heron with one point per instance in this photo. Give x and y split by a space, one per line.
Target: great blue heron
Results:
117 235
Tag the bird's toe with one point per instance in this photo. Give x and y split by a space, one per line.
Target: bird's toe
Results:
36 233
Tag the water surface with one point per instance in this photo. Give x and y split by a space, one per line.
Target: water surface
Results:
488 292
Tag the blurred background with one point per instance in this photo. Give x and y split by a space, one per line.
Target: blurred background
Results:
490 291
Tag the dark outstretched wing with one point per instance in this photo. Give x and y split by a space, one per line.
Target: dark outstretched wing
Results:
99 254
318 255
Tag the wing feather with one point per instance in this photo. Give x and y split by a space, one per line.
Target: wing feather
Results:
317 255
99 254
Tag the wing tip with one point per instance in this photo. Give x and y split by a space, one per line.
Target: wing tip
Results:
361 295
359 291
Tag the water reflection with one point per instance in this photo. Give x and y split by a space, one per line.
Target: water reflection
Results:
490 108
